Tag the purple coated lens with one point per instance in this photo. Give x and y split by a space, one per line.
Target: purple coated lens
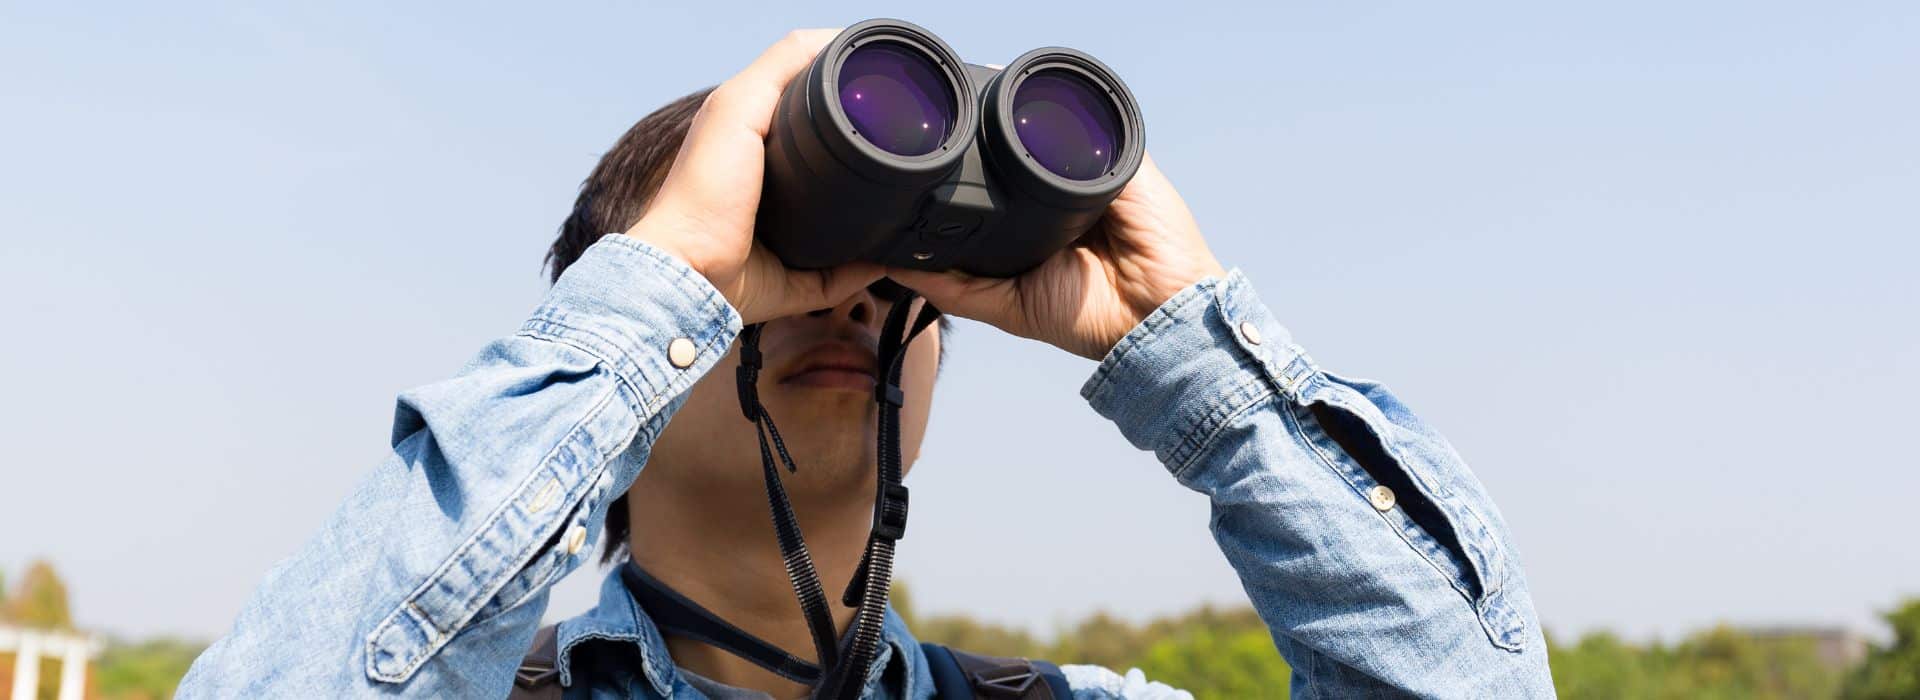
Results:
896 98
1066 124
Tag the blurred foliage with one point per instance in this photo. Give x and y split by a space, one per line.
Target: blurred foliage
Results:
146 670
1891 671
1227 653
1213 652
1718 663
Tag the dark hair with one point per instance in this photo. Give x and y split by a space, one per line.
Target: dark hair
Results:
611 200
617 191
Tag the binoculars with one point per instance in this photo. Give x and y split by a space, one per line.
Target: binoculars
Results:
888 148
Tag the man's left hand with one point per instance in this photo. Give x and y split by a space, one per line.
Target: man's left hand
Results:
1087 297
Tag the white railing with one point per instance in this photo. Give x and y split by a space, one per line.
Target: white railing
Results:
28 646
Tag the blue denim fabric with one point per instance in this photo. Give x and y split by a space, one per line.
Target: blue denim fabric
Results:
430 580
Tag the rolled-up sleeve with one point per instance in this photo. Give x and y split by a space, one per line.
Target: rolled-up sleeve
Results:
431 577
1369 548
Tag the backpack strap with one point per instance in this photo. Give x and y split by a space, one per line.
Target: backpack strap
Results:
538 677
958 675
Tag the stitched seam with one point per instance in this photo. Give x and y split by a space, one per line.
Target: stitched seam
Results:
572 509
1150 328
1216 423
610 363
682 271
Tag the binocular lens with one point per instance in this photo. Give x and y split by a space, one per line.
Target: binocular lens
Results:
1066 124
896 98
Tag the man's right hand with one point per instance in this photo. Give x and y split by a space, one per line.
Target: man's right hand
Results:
704 211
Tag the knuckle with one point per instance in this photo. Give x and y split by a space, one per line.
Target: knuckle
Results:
722 97
809 39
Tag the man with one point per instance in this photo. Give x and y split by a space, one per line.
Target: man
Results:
1369 549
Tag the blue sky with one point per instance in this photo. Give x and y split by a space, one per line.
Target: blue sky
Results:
1648 265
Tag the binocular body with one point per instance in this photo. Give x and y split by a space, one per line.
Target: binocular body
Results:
888 148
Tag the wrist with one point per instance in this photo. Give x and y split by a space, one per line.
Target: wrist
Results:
669 246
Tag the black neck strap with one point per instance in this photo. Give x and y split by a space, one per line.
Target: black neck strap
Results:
845 675
793 547
678 615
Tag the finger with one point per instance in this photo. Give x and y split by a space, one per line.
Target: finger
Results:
746 102
800 291
994 301
1148 181
726 138
819 289
756 90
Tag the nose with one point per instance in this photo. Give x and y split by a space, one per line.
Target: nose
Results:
862 308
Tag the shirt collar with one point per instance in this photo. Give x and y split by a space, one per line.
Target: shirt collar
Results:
617 618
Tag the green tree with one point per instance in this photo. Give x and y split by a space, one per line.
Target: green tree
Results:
1727 663
1600 667
40 600
1722 662
1219 662
1891 671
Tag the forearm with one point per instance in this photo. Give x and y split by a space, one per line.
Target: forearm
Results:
433 574
1420 592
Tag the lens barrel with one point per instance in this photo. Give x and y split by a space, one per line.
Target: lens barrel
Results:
889 148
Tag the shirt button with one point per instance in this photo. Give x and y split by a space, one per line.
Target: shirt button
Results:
1252 332
1381 497
680 352
576 539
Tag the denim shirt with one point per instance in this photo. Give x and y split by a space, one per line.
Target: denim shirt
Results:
1387 574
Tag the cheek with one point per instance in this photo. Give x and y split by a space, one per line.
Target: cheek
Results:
917 381
712 409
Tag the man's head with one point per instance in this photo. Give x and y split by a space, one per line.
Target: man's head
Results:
816 382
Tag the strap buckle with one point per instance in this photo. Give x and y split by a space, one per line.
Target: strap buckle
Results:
890 513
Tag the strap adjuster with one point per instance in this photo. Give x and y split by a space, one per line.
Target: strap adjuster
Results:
532 675
888 394
890 513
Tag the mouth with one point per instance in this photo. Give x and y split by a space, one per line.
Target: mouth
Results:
834 365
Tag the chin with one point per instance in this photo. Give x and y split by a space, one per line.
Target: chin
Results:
834 409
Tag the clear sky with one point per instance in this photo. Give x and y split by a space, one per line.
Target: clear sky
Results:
1649 265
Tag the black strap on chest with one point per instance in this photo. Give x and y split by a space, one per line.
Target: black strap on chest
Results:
538 677
958 674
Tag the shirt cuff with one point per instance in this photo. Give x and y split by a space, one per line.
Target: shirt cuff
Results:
653 320
1188 368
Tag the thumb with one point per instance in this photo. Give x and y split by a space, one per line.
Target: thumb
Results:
985 299
816 289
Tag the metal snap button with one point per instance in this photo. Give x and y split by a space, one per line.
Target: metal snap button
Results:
576 539
1252 332
680 352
